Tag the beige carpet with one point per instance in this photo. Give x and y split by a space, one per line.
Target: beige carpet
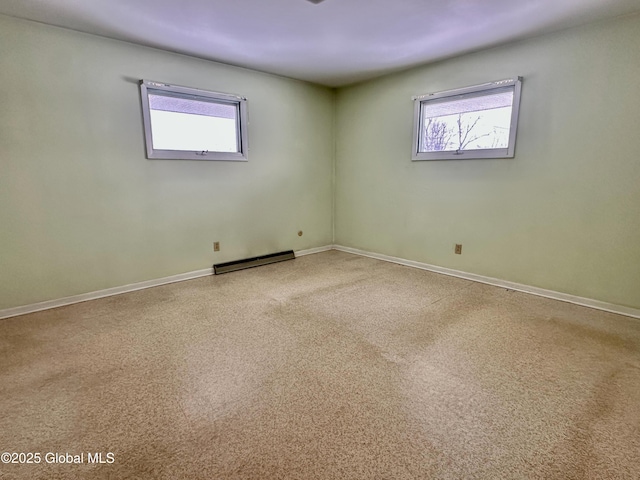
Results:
331 366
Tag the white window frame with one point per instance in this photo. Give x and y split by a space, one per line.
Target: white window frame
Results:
421 100
148 86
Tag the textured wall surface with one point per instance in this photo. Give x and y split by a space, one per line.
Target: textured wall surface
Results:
564 214
82 209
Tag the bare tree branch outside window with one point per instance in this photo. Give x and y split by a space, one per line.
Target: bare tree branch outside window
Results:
436 135
464 129
475 122
441 135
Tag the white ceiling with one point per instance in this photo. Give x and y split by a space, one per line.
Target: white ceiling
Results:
334 43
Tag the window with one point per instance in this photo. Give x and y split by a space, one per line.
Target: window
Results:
186 123
472 122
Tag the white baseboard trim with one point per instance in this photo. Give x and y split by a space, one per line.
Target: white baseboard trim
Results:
61 302
311 251
541 292
586 302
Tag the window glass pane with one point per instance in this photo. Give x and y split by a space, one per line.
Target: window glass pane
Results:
188 105
467 122
193 125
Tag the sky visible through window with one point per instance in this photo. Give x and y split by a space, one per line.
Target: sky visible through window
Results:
183 131
191 125
471 123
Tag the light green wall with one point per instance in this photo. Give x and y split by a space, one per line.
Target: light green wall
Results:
82 209
564 214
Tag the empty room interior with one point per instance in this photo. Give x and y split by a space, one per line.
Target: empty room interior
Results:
440 203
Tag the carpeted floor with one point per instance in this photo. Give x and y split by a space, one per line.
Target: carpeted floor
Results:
331 366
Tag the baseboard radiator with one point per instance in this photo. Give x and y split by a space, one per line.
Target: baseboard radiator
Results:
253 262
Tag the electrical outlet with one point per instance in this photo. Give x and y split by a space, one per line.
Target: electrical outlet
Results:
216 246
458 250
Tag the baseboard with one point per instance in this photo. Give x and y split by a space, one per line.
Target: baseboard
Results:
61 302
311 251
541 292
564 297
